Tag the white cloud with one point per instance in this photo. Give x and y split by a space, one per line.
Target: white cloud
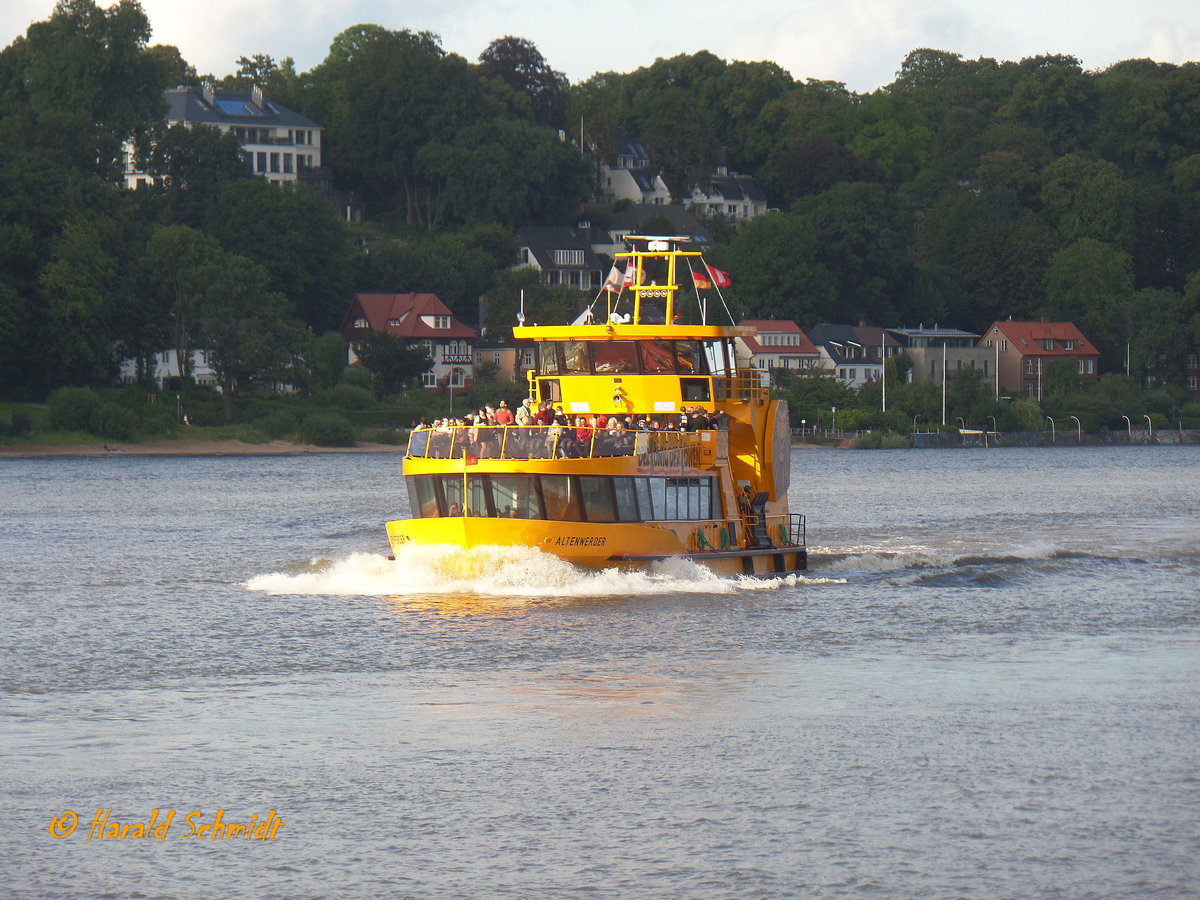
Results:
860 42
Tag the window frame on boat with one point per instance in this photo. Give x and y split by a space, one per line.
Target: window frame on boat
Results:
569 497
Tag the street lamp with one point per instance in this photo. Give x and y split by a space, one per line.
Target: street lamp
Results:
1128 426
834 408
961 423
803 425
1078 429
1051 421
993 418
914 428
1150 428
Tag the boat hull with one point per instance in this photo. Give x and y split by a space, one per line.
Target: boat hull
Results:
596 546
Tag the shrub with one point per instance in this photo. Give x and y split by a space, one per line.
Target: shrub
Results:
882 440
327 429
22 423
359 377
71 408
112 421
279 424
349 396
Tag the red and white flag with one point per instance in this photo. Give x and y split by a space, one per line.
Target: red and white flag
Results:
720 279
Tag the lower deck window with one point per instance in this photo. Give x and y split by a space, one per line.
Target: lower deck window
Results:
566 498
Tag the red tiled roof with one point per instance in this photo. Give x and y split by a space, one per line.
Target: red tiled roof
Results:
1024 337
400 316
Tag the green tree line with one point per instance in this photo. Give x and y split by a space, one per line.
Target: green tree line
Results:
963 192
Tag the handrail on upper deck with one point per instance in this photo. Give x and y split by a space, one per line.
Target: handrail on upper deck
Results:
546 442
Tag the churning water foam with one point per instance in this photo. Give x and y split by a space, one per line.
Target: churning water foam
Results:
499 572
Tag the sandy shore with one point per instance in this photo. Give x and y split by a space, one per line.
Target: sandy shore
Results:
189 448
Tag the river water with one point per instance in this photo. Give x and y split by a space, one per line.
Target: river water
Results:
988 685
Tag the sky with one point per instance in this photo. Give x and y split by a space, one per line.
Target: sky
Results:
860 43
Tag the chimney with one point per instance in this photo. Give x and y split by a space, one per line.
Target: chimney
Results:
256 96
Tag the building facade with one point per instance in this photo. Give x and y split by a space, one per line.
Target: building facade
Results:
1022 352
420 320
277 144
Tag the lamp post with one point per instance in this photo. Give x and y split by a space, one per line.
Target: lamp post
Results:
961 423
993 418
803 425
914 428
834 409
1078 429
1051 421
178 410
1129 427
1150 428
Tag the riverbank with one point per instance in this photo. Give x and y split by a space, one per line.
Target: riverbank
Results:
187 448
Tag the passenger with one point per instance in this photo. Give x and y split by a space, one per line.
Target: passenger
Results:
455 510
503 415
525 414
583 435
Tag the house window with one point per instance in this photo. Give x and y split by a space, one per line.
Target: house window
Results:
441 321
842 374
1191 361
1191 382
361 322
262 162
568 258
1047 344
1029 366
1004 346
274 162
428 379
287 163
1068 345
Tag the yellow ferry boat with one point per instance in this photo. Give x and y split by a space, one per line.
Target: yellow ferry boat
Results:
652 443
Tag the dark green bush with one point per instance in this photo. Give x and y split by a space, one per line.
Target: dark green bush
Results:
326 429
71 408
22 424
112 421
349 396
278 424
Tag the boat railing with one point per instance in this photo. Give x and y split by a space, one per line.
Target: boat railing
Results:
788 530
659 449
745 384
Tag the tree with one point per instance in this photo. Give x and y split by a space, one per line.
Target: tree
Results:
504 172
777 273
518 64
294 233
388 94
80 285
1089 282
393 363
863 238
88 80
247 329
327 360
1086 197
187 168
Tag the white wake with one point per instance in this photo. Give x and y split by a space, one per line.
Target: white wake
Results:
510 572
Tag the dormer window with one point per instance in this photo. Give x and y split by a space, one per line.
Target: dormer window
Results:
441 321
1047 343
1068 345
361 322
